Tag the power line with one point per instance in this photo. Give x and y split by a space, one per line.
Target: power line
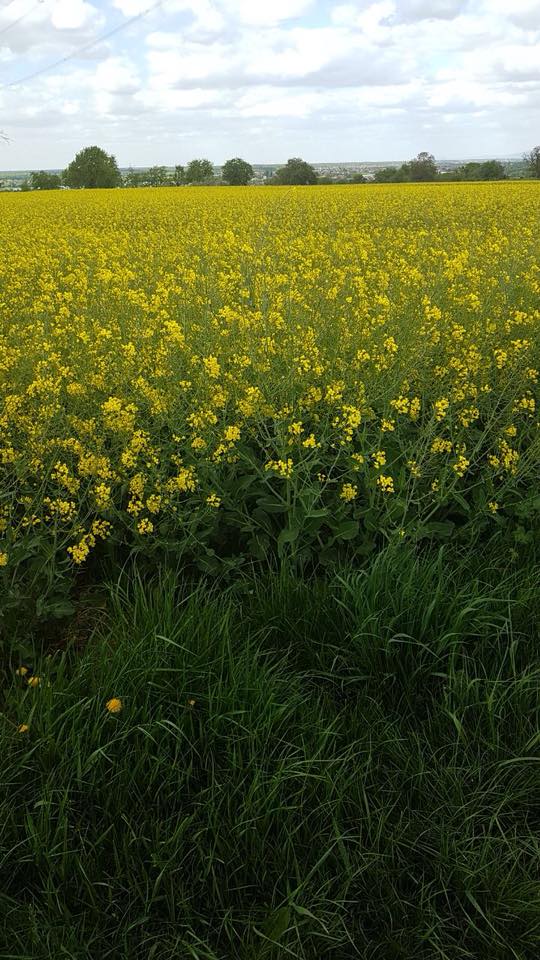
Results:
82 49
22 17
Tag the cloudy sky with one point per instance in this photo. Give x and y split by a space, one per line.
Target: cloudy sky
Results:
267 79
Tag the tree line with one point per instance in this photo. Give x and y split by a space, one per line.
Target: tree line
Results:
94 168
423 169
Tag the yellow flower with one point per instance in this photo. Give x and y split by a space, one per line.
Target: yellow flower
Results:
114 705
283 468
145 526
23 728
386 484
441 446
21 671
460 466
348 492
3 559
34 681
493 506
441 407
295 428
213 500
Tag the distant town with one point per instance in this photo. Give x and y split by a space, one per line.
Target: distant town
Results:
263 173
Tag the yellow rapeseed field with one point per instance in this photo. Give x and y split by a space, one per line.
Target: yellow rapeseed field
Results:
222 371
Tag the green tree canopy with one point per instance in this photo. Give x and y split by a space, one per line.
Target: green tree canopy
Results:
199 171
179 175
237 172
474 170
388 175
157 176
532 160
92 167
296 172
44 181
492 170
133 178
423 168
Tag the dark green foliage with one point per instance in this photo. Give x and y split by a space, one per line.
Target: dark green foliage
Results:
237 172
390 175
45 181
157 177
91 168
134 178
199 171
422 169
179 175
317 770
489 170
532 160
296 172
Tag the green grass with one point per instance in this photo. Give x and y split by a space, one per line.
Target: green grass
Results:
357 777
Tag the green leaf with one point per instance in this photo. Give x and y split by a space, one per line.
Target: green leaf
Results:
276 924
289 535
347 530
437 530
272 506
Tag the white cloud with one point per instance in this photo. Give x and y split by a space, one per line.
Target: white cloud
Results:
261 13
72 14
413 10
362 78
265 102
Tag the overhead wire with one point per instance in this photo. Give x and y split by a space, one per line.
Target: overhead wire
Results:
19 19
83 48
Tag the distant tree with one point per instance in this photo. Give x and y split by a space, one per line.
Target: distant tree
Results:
157 176
532 159
387 175
199 171
133 178
492 170
359 178
25 186
468 171
45 181
474 170
423 168
179 175
295 173
92 167
237 172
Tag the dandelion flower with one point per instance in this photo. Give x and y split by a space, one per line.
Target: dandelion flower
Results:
114 705
23 728
34 681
